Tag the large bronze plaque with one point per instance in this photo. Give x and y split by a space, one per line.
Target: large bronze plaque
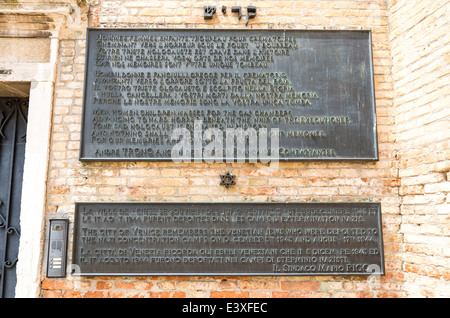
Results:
228 239
315 86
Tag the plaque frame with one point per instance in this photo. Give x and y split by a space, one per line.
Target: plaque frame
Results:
375 157
149 273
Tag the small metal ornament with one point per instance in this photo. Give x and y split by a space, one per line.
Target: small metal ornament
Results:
251 13
238 10
227 179
208 12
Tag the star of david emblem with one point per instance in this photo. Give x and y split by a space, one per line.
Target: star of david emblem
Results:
227 179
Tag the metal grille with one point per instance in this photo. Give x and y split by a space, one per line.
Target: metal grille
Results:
13 126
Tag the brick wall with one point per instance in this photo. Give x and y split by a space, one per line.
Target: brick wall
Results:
71 180
421 74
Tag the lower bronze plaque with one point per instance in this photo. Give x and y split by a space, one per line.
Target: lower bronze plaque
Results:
228 239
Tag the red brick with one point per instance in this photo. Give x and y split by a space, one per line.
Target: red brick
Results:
104 285
289 172
229 294
159 294
261 294
318 182
389 295
364 294
391 182
277 294
445 275
294 294
410 190
260 172
72 294
114 294
143 285
228 284
56 284
299 286
258 191
423 270
395 276
94 294
197 285
59 190
124 285
138 190
48 284
346 294
259 285
52 294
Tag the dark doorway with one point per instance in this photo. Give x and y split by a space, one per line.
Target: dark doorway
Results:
13 128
